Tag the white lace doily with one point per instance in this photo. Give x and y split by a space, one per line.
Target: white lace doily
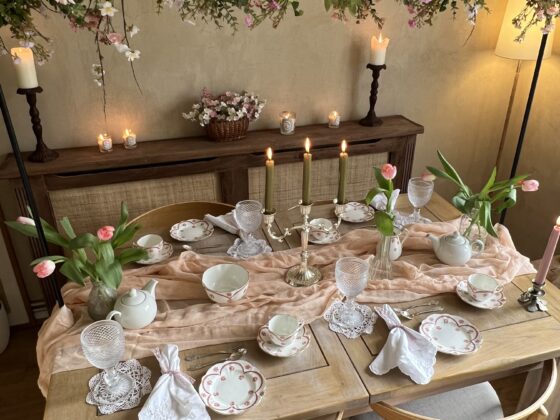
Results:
236 252
140 376
366 327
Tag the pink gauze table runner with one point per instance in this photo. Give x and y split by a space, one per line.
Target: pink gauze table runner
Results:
417 274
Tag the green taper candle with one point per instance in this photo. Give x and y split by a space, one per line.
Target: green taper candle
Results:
269 186
342 169
306 190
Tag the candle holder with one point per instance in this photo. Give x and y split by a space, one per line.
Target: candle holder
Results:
371 119
42 153
533 298
303 274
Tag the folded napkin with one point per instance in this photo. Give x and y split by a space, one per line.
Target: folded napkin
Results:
174 396
406 349
225 221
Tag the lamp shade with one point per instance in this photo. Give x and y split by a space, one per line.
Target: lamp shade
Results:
528 49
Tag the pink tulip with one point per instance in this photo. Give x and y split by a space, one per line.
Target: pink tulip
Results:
530 185
25 221
388 171
105 233
428 177
44 269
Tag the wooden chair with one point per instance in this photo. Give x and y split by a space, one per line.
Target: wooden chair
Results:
535 411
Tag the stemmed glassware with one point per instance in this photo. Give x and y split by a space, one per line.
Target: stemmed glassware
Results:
248 215
103 346
351 275
419 194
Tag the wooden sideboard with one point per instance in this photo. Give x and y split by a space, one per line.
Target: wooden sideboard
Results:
86 167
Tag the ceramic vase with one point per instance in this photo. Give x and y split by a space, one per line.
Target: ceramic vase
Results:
4 328
101 301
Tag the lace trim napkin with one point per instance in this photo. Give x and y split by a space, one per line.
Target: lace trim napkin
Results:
406 349
174 396
224 221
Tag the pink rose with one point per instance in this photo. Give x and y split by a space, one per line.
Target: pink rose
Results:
25 221
115 37
530 185
44 269
428 177
388 171
105 233
411 23
249 21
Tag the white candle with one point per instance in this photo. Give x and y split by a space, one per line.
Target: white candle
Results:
334 119
287 123
544 266
129 139
105 143
378 50
25 68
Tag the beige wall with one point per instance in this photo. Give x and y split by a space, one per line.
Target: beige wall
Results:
310 65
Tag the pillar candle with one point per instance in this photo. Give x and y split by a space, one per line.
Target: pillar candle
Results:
269 186
544 266
342 169
306 190
334 119
129 139
25 68
105 143
378 50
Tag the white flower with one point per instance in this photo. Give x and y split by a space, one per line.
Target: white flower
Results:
122 48
98 82
65 2
133 30
107 9
132 55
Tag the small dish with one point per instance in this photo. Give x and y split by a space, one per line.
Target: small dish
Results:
232 388
357 212
330 238
494 302
299 344
166 252
225 283
191 230
320 237
451 334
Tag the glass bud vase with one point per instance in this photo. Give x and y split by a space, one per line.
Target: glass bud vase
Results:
382 267
101 301
470 228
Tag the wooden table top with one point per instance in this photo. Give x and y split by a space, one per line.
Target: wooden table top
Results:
333 375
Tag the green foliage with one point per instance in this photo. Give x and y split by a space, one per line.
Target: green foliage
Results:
383 218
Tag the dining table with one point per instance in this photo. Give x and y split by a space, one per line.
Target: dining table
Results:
331 378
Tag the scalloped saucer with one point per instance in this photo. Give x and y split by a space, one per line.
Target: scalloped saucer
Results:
495 302
191 230
357 212
166 252
299 344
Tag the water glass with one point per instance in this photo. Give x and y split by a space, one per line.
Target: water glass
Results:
351 275
419 194
248 215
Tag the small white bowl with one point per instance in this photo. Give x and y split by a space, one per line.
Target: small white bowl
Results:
225 283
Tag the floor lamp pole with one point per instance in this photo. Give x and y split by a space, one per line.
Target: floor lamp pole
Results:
51 281
526 115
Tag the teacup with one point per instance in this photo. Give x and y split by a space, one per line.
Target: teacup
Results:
317 226
481 287
283 329
151 243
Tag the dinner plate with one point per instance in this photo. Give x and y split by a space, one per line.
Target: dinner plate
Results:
166 252
357 212
191 230
451 334
494 302
231 388
299 344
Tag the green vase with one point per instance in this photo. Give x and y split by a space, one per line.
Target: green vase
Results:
101 301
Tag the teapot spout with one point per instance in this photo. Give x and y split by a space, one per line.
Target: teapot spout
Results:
150 287
434 239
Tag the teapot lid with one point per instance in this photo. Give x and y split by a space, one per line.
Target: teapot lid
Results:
133 297
455 239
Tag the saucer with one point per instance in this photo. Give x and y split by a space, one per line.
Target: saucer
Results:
357 212
495 302
330 238
191 230
166 252
237 251
299 344
451 334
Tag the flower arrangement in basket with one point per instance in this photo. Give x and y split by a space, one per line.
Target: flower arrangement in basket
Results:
226 116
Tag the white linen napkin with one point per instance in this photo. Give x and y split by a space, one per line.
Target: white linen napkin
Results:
173 397
406 349
225 221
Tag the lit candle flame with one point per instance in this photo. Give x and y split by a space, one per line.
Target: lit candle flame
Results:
380 39
307 145
126 132
343 146
269 153
101 137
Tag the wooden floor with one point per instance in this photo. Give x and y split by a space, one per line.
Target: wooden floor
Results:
20 397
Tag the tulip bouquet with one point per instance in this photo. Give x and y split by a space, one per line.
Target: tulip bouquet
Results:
105 267
384 196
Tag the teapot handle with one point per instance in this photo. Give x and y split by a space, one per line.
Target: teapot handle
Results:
111 314
477 247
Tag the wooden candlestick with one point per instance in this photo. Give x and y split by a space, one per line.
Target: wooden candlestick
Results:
371 119
42 153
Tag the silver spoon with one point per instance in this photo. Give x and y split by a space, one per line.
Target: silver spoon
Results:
431 303
200 356
410 315
233 356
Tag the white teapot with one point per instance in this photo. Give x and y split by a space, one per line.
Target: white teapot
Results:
136 308
455 249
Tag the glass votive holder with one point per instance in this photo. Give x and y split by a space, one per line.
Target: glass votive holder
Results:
334 119
287 123
105 143
129 139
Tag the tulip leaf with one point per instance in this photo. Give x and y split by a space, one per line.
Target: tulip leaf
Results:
131 255
84 240
381 181
53 258
484 192
372 193
70 270
384 223
67 227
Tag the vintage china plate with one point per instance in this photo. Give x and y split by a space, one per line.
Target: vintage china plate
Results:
231 388
451 334
330 238
166 252
357 212
495 302
191 230
299 344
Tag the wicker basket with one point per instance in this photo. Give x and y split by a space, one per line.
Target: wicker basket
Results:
222 131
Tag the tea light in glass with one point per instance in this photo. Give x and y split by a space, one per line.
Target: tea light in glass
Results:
287 123
129 139
105 143
334 119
